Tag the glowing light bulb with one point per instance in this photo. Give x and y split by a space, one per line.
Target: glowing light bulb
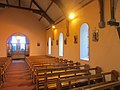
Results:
71 16
53 26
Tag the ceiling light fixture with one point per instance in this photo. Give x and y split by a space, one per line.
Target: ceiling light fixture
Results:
71 16
53 26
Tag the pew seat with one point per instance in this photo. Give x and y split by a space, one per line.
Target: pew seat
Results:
92 81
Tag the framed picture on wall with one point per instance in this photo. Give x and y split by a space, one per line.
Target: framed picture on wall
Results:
75 39
65 41
38 44
47 43
56 42
52 42
95 35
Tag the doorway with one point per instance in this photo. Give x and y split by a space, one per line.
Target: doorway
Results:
18 46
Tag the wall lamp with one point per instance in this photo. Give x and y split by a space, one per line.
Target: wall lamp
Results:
53 28
70 17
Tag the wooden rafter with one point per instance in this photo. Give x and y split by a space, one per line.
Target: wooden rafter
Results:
7 2
47 9
49 6
19 3
44 13
59 4
41 12
29 9
31 3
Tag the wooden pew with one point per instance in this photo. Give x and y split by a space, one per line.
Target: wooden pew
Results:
39 70
49 65
94 82
37 60
4 63
33 59
40 63
52 62
55 67
106 86
34 62
41 60
46 79
1 76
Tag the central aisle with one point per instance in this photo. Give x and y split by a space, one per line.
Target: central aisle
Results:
18 77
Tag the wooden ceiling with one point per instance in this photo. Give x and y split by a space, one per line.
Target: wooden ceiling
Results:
48 11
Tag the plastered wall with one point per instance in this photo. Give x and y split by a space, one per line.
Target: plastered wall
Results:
21 21
105 52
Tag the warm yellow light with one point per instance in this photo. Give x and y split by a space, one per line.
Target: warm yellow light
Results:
18 37
71 16
55 31
53 26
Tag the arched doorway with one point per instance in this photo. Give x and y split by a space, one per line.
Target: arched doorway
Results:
18 46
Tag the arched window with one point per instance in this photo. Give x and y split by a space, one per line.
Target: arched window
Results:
17 46
61 44
49 45
84 42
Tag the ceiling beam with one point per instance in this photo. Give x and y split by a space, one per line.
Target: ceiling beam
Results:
19 3
29 9
31 3
87 3
44 13
7 2
49 6
47 9
41 12
59 4
82 4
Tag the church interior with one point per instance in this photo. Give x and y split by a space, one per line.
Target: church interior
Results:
59 45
